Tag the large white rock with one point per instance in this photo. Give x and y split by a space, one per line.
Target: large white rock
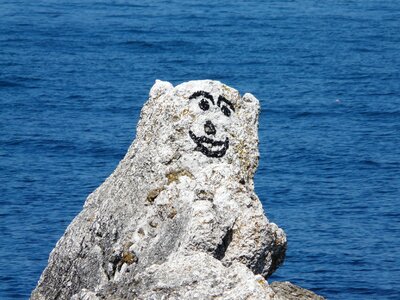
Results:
178 218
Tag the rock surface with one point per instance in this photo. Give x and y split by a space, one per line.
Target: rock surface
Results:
178 218
288 291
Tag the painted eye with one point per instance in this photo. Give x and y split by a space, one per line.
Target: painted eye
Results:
204 105
226 111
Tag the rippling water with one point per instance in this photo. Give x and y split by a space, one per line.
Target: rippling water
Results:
74 75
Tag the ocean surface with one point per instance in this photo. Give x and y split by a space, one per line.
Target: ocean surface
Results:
75 74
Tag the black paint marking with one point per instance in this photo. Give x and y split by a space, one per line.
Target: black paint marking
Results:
226 111
205 144
204 104
225 104
209 128
203 94
202 141
223 99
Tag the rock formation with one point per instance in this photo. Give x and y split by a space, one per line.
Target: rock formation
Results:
288 291
178 218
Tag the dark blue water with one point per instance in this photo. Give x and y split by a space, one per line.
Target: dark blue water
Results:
74 75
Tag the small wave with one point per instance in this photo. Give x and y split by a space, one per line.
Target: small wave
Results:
74 97
370 162
138 31
129 5
273 111
314 113
140 44
381 113
7 83
362 50
158 45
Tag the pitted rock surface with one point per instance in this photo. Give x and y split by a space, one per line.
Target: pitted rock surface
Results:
178 218
288 291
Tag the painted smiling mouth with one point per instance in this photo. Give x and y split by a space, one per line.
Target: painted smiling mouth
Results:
208 146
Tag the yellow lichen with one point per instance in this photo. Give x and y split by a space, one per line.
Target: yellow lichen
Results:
175 175
128 258
186 112
172 213
153 194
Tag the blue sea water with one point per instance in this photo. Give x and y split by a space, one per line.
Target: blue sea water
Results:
75 74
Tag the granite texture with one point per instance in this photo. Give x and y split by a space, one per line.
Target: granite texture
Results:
288 291
178 218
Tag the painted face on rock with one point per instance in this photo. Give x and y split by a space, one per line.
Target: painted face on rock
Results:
206 142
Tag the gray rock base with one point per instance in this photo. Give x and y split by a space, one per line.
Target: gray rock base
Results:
289 291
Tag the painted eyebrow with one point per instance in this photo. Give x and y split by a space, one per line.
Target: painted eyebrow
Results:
204 94
223 99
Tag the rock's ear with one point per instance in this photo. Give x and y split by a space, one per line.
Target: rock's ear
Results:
254 105
159 88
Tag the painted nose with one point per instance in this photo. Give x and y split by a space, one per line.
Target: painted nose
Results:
209 128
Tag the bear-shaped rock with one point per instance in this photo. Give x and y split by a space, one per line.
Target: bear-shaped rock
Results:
179 217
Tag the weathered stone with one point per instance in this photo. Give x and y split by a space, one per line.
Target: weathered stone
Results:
178 218
289 291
